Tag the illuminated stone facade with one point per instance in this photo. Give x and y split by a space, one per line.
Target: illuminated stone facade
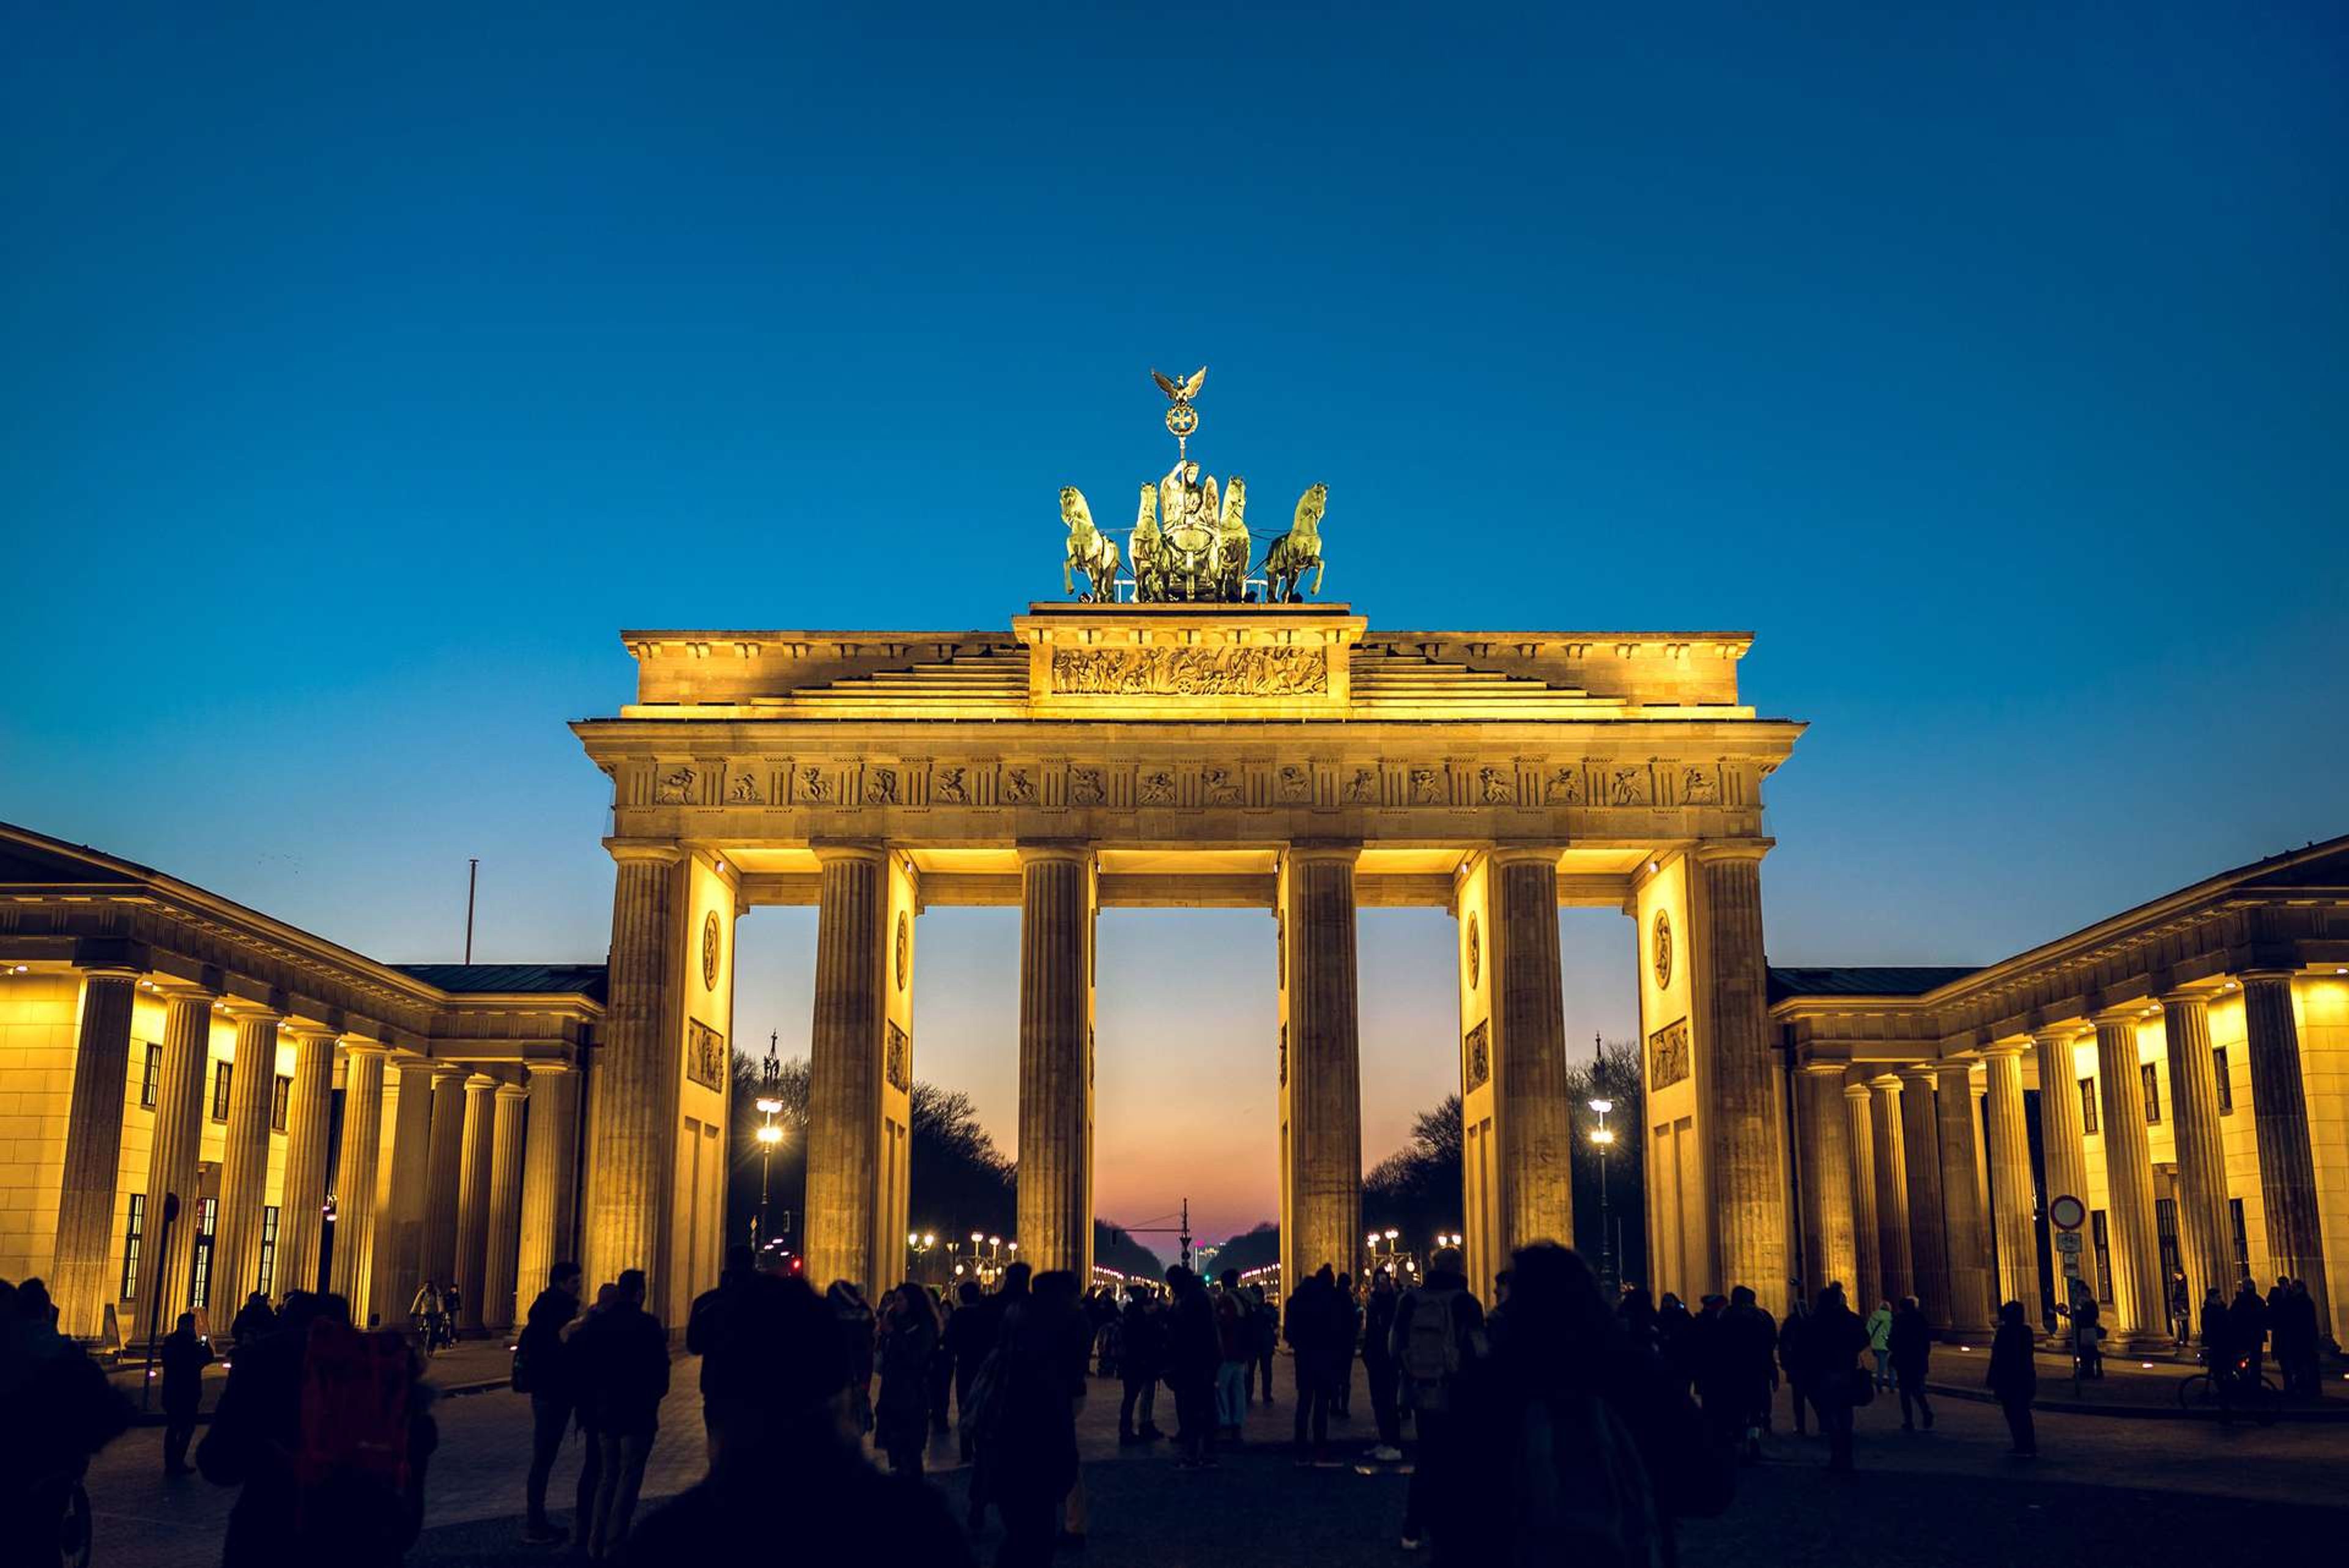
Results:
1281 758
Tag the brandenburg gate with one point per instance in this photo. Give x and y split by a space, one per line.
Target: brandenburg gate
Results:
1210 744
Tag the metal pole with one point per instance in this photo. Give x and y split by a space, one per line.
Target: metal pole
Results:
472 881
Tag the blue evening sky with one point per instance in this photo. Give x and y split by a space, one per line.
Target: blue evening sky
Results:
365 374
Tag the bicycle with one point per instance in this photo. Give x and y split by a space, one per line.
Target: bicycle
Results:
2239 1389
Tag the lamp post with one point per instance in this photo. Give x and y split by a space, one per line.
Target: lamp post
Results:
770 1103
1602 1137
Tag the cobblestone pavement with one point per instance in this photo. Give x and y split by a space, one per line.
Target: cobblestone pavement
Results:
2123 1491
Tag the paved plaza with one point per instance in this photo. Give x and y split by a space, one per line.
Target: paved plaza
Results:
2119 1490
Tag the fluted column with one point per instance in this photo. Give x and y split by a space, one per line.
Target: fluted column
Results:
302 1197
1055 1204
1971 1269
2012 1199
1828 1248
550 1161
2200 1143
1866 1287
504 1230
1920 1149
81 1278
172 1158
399 1252
2062 1154
473 1200
2279 1119
444 1171
357 1171
844 1067
1748 1154
632 1083
1900 1277
1324 1092
244 1163
2139 1301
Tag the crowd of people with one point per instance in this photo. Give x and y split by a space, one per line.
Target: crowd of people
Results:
1545 1418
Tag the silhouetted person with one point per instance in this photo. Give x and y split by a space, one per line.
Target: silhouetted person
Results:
185 1356
853 1320
1341 1376
424 1315
1676 1338
1580 1444
2297 1339
627 1377
701 1322
2014 1377
1030 1450
2247 1331
1236 1345
1268 1339
1141 1359
542 1369
253 1320
452 1302
1832 1375
1318 1322
1439 1332
1880 1341
1193 1354
1912 1350
580 1341
2214 1330
1790 1356
1637 1312
909 1337
1749 1347
965 1342
1379 1369
790 1471
329 1453
940 1377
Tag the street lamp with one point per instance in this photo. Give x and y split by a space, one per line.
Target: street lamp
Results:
1602 1137
769 1104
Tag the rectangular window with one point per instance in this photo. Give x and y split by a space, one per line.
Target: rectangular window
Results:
150 1078
268 1251
2103 1242
200 1276
2226 1081
220 1091
281 1092
2165 1231
132 1235
2088 1105
2242 1238
2152 1092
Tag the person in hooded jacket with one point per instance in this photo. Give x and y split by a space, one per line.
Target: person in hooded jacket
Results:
909 1335
2014 1377
1439 1334
1912 1350
1832 1341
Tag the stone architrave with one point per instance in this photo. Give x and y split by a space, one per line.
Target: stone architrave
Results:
846 1065
550 1158
2200 1143
2280 1115
1920 1140
2062 1152
1055 1198
81 1278
2012 1198
503 1239
1322 1093
473 1200
1829 1249
164 1281
244 1164
2141 1304
358 1158
302 1201
1739 1071
632 1126
1971 1269
1892 1193
1867 1283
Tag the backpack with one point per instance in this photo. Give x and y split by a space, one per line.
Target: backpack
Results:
1431 1350
1582 1493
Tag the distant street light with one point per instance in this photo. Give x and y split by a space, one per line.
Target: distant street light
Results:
1602 1137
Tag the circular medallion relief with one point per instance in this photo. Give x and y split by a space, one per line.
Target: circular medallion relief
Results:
903 937
1475 952
709 951
1663 943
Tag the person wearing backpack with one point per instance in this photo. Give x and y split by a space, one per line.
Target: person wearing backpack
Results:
1439 1330
542 1369
1584 1447
1379 1368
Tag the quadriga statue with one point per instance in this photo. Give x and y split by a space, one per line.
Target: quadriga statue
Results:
1297 550
1091 551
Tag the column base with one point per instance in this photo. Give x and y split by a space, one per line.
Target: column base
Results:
2146 1344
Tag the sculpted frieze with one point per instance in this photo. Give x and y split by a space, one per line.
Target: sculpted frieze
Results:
1085 786
881 787
674 787
1293 785
1239 671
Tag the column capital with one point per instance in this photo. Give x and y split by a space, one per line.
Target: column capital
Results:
1034 852
2268 971
443 1070
1925 1073
107 970
2129 1013
302 1031
359 1046
2006 1048
480 1079
863 852
1522 854
184 991
1348 851
1855 1090
549 1068
1707 852
2184 997
2067 1033
512 1091
1818 1068
627 850
245 1012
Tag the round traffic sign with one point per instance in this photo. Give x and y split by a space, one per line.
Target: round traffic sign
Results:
2068 1213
